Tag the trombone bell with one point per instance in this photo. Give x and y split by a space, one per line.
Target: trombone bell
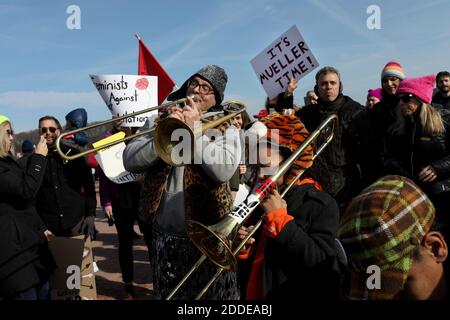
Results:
215 241
164 147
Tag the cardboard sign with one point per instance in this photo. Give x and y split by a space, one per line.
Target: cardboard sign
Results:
71 252
287 57
111 160
125 94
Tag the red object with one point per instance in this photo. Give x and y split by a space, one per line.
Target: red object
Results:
275 222
262 113
149 66
142 83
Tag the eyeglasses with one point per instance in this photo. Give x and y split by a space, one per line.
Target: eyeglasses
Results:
51 129
407 98
9 132
202 88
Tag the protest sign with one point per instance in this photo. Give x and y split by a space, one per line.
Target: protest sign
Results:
287 57
125 94
111 160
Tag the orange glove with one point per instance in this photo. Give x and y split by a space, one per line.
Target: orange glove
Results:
275 222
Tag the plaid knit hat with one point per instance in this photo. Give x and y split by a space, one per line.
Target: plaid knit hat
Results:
217 78
421 87
382 226
392 69
289 132
4 119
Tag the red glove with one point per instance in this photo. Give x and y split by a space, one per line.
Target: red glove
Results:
275 222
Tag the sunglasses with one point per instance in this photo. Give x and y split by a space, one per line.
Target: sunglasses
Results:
9 132
407 98
51 129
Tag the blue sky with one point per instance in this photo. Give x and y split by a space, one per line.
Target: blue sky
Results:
45 66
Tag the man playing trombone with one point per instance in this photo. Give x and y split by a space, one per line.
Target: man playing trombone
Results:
172 194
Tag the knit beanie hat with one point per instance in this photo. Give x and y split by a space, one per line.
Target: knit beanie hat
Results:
215 75
383 226
27 146
4 119
374 93
421 87
392 69
289 132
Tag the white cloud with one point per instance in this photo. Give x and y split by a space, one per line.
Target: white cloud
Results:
48 99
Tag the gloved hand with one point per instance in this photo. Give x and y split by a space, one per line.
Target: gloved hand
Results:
88 226
275 222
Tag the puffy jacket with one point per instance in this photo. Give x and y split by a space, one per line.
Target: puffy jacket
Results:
25 259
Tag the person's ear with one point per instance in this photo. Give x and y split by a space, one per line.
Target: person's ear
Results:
435 244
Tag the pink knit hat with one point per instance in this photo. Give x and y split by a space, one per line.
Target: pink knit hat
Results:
374 93
421 87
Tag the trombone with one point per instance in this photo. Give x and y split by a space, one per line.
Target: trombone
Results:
66 157
165 147
215 241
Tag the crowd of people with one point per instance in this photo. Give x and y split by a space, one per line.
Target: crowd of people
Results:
374 199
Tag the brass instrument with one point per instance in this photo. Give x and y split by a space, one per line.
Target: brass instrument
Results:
164 145
67 157
215 241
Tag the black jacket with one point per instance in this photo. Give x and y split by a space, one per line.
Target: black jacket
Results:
25 259
301 262
389 130
349 155
284 102
67 194
443 101
422 150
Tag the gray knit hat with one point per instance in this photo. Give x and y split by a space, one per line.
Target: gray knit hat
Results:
215 75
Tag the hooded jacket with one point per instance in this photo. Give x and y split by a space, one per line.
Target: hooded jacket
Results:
78 117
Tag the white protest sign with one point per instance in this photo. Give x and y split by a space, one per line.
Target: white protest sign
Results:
111 160
287 57
125 94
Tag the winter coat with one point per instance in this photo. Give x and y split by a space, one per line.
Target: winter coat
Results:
67 194
25 259
301 262
443 101
388 124
348 156
422 150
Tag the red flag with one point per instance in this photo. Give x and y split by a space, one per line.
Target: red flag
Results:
149 66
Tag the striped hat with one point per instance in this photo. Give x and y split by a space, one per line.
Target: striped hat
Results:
289 132
392 69
382 226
